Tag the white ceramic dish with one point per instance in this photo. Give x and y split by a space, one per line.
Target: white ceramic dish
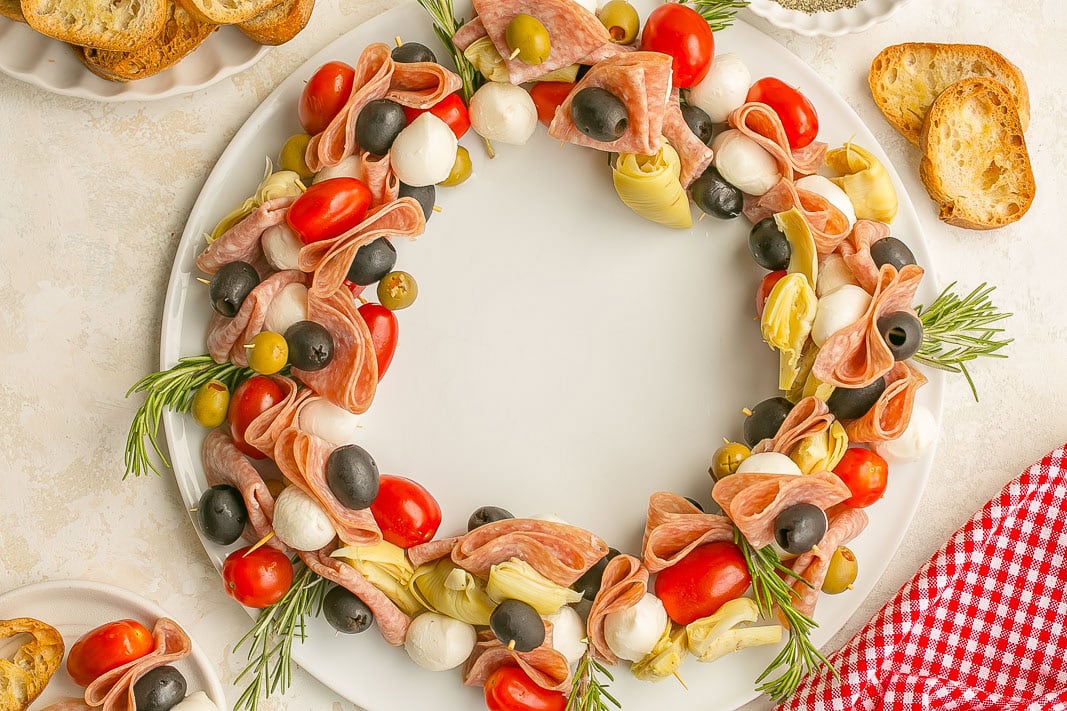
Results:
50 64
76 606
860 18
564 356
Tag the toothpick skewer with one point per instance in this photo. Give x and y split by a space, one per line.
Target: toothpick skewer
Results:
258 544
680 679
202 280
514 54
398 41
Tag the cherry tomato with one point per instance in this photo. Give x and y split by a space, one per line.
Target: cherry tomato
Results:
355 288
384 330
325 95
450 109
251 399
329 208
509 688
258 579
865 474
682 33
405 511
703 581
547 96
108 646
765 287
798 116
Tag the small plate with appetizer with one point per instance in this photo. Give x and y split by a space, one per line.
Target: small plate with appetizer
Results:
829 18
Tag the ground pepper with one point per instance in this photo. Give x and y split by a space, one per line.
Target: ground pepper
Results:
813 6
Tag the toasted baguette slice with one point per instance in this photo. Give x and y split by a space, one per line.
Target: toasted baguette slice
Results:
975 163
117 25
12 10
227 12
906 78
279 24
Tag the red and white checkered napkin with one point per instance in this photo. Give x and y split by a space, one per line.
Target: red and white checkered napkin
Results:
983 625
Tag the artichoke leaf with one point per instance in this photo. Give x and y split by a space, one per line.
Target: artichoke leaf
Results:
713 637
515 579
284 183
804 256
650 186
665 658
386 567
786 324
866 182
444 588
821 452
483 55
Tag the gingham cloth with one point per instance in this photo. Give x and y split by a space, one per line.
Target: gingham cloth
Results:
983 625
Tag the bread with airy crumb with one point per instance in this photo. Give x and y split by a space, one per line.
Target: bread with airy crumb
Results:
280 23
117 25
12 10
227 12
27 672
975 163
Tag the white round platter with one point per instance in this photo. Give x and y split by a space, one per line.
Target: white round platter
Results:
859 18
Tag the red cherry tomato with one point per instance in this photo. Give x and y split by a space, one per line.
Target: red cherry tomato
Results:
355 288
406 512
703 581
509 688
764 290
258 579
865 474
325 95
547 96
107 647
329 208
251 399
384 330
798 116
450 109
682 33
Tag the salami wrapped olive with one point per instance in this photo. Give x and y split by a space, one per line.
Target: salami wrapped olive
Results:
853 403
903 333
890 250
372 262
799 527
765 420
515 622
600 114
230 286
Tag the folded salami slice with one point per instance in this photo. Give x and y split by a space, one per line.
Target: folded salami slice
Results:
113 690
890 416
68 704
642 81
544 665
856 251
624 583
263 432
241 243
695 155
469 32
808 417
857 355
227 337
391 620
675 527
828 225
379 177
761 123
434 550
560 552
753 501
845 523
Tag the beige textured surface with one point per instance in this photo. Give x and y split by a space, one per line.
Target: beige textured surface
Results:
96 197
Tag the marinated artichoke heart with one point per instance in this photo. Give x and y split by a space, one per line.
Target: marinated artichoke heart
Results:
821 452
718 635
444 588
804 257
387 568
650 186
483 55
786 324
806 384
284 183
866 182
515 579
665 658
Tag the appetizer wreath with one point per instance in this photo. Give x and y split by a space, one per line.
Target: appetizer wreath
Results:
292 356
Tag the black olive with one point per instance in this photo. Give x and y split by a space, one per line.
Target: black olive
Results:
345 612
372 262
411 52
160 689
853 403
766 419
799 527
716 197
903 333
516 621
694 502
310 346
589 584
425 194
487 514
352 476
769 246
222 514
230 286
699 123
891 250
378 125
600 114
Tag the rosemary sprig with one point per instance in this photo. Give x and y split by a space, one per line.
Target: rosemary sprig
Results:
718 13
589 692
172 389
270 651
957 330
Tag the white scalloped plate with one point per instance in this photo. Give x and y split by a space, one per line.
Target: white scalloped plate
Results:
829 24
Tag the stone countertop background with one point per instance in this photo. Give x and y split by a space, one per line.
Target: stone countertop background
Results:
96 197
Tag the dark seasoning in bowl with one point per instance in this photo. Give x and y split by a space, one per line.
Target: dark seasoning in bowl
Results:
813 6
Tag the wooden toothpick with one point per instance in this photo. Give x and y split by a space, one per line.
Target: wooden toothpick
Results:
258 544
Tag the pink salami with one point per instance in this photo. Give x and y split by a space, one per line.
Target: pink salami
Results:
890 416
227 337
675 527
808 417
694 154
113 690
829 226
468 33
544 665
624 583
761 123
379 177
856 251
434 550
68 705
845 523
241 243
264 431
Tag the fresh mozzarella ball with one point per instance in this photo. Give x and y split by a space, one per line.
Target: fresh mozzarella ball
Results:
196 702
503 112
768 463
833 274
723 88
299 522
550 517
334 424
918 437
568 634
835 196
437 642
744 163
350 167
632 633
423 153
839 309
281 246
288 307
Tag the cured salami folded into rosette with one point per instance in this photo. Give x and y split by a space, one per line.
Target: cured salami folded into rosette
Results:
856 251
242 242
544 665
623 585
675 527
379 177
845 523
762 124
891 414
227 337
828 225
808 417
263 432
434 550
694 153
113 690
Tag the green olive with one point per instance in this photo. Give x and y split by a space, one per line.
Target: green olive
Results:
397 290
461 169
841 573
622 21
727 459
527 36
268 353
210 403
293 156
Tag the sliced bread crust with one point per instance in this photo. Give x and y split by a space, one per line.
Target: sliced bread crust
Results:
12 10
117 25
227 12
280 23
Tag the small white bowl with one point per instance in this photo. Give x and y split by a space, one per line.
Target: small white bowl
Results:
829 24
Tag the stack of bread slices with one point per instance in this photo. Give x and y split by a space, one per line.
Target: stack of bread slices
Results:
966 107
